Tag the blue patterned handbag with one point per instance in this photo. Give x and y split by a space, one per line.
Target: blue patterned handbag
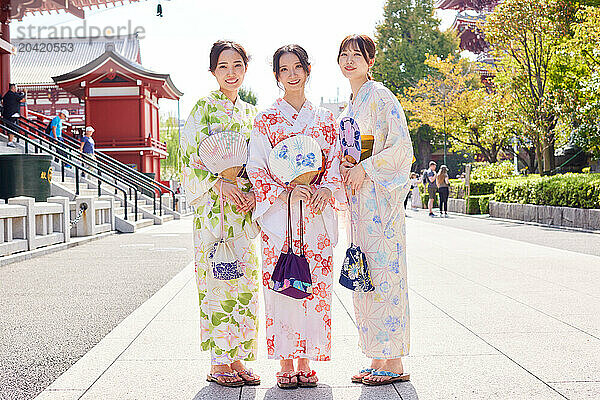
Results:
355 271
222 257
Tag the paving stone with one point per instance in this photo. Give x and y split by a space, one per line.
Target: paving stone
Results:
578 390
357 392
164 379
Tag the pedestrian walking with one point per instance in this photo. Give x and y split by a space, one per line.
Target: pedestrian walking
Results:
55 131
443 185
87 148
297 329
11 107
416 195
223 227
430 176
380 183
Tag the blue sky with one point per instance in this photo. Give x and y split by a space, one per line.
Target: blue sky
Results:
179 42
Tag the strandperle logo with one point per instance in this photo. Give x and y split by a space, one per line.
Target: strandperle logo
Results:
83 31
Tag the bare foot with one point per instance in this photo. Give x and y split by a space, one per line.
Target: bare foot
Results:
220 369
375 364
287 367
304 367
243 372
392 365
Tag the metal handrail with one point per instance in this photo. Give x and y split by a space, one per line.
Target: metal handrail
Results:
74 147
64 161
118 164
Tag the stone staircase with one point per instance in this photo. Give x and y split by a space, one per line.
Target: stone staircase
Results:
88 188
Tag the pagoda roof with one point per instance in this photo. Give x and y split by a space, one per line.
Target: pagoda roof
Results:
461 5
111 60
31 65
468 30
18 9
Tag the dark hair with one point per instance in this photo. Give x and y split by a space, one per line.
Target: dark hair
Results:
294 49
12 85
365 44
221 45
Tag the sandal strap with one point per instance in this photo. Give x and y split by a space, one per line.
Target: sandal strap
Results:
224 374
307 374
248 372
386 373
369 370
288 375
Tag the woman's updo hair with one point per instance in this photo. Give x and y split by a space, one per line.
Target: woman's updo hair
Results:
221 45
364 43
294 49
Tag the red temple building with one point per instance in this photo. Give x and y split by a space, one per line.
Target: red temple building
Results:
121 103
471 14
100 81
32 69
17 9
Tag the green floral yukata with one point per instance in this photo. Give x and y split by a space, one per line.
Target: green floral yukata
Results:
228 309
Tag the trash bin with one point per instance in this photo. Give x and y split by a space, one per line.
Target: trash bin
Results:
25 175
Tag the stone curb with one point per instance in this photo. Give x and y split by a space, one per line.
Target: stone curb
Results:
26 255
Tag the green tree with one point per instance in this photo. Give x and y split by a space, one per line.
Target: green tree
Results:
248 96
579 57
408 32
525 37
169 133
454 103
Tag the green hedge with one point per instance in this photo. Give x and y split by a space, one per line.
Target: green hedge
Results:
565 190
478 188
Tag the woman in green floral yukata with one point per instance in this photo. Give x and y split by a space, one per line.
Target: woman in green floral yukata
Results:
228 308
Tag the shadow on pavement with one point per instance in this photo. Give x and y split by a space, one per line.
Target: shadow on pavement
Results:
406 390
214 391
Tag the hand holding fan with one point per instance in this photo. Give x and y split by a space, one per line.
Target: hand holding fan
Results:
224 154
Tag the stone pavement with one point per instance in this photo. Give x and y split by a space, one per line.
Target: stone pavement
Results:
491 318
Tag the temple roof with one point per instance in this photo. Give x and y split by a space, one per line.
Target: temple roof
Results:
76 7
461 5
34 65
111 60
470 35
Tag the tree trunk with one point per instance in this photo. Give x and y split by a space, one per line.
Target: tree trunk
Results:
538 156
424 148
549 160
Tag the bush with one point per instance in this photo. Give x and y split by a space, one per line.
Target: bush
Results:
484 203
473 205
485 170
478 188
566 190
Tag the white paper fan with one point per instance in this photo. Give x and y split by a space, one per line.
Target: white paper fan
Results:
296 159
224 154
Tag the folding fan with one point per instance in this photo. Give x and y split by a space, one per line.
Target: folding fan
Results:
224 154
350 139
297 159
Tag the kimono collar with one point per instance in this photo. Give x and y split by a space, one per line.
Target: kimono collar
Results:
301 118
362 94
224 100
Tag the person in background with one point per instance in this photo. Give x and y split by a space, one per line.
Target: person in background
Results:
88 146
55 128
443 185
11 103
431 186
416 195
